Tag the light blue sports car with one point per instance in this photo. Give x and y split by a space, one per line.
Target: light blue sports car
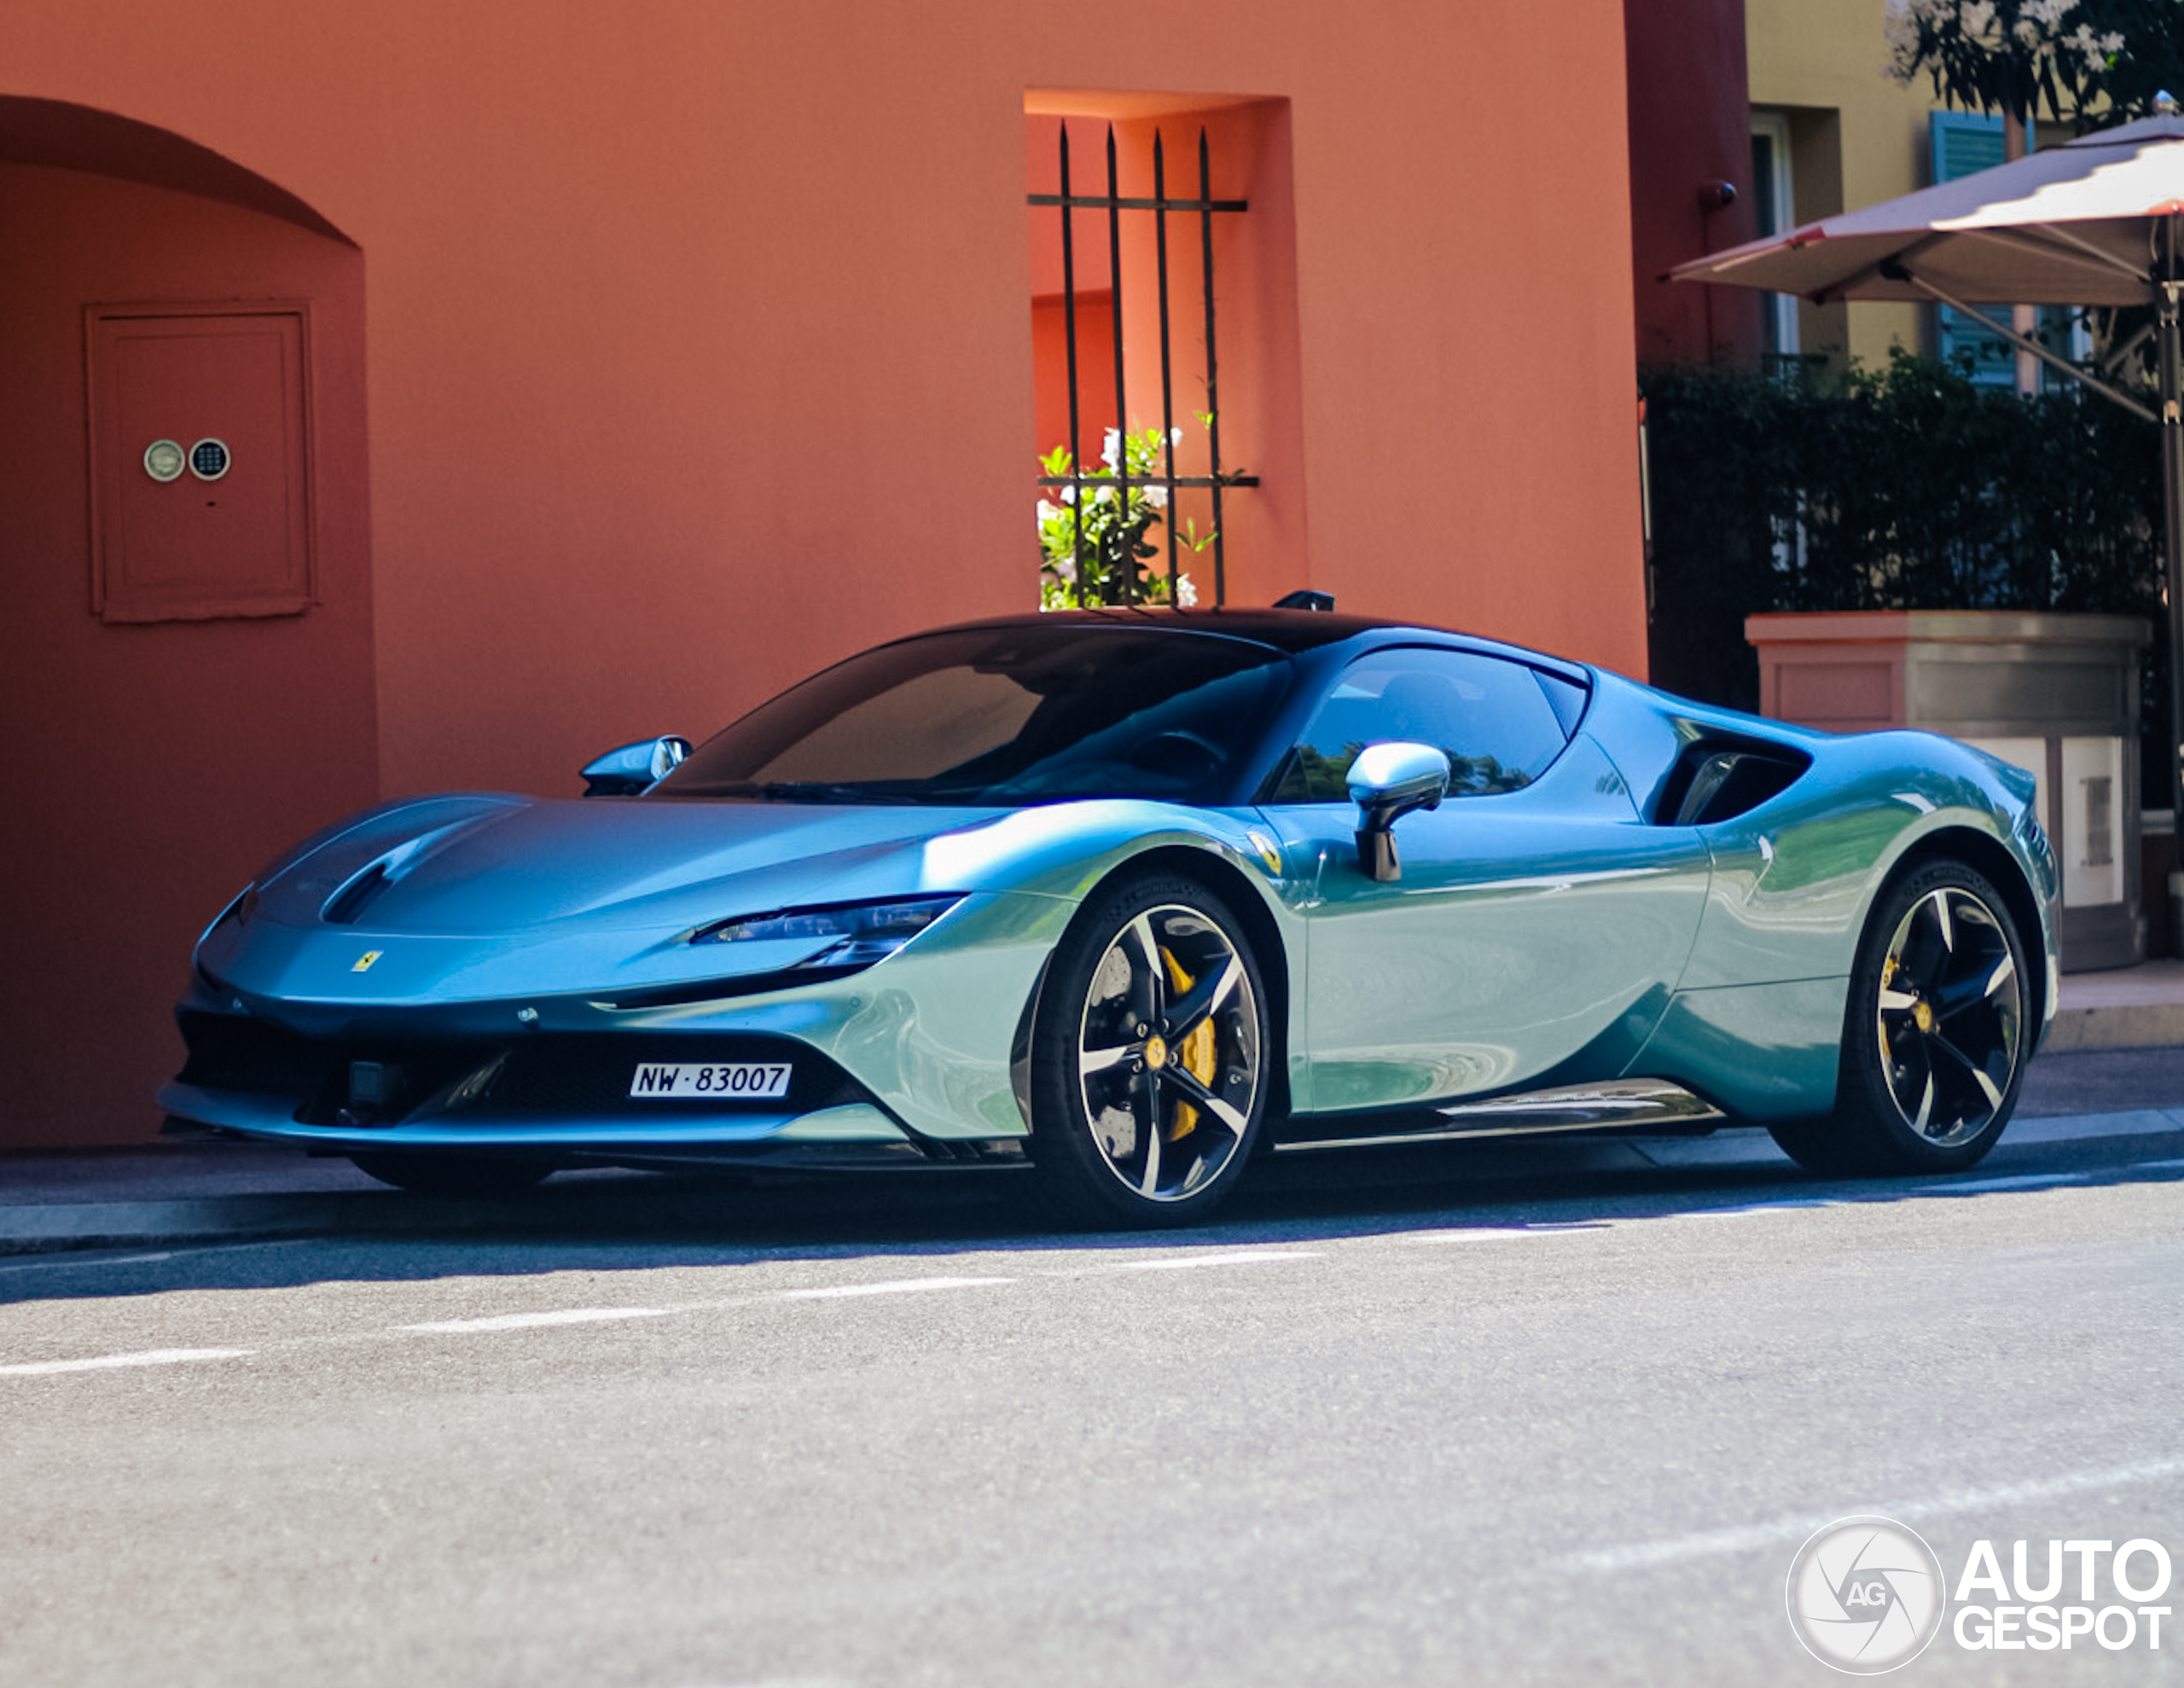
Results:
1132 895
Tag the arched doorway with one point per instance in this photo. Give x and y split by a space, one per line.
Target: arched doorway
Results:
186 660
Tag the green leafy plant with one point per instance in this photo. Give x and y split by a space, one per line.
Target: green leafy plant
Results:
1905 488
2148 62
2097 62
1093 543
2004 55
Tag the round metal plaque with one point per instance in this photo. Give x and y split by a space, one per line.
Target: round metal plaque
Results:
163 461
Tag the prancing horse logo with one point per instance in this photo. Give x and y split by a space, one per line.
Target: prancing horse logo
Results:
364 961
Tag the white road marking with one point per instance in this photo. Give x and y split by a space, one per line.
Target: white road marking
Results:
1241 1257
2023 1180
158 1356
896 1286
1708 1543
524 1322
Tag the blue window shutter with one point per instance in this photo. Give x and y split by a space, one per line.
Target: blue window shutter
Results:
1962 143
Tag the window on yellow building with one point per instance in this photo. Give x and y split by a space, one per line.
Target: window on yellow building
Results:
1775 210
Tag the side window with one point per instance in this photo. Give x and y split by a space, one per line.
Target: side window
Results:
1492 717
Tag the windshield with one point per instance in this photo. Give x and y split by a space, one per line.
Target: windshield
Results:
1012 715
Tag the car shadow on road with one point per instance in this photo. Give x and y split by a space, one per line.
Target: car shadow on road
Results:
644 1223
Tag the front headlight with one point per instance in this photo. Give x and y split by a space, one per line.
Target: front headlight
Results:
851 935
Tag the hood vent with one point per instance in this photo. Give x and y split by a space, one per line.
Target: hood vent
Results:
362 889
343 907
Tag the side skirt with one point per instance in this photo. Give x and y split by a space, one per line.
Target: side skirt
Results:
1619 1104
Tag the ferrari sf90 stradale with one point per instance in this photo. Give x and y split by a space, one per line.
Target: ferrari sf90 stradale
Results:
1130 895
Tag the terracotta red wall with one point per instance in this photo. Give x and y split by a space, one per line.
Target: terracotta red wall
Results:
700 347
149 769
1690 128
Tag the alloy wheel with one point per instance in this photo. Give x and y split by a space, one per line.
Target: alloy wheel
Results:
1951 1016
1168 1052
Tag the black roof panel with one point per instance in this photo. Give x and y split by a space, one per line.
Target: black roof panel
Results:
1291 631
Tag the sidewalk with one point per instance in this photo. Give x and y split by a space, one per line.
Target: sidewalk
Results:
2133 1007
196 1191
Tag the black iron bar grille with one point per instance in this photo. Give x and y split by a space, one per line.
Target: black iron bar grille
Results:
541 1077
1113 204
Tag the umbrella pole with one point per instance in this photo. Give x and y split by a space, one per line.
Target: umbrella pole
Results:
2171 284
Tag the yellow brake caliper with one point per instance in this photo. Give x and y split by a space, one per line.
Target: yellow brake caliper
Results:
1196 1051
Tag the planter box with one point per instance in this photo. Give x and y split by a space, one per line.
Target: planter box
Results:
2057 694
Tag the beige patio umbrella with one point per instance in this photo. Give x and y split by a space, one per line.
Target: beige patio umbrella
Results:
2098 221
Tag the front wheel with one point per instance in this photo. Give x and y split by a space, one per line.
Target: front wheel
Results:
1149 1057
1935 1036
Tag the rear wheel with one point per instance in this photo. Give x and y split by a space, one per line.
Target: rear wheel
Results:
1149 1068
451 1175
1935 1037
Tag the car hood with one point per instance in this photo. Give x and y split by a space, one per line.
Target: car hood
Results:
487 864
485 898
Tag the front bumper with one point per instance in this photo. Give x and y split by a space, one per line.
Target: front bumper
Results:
561 1094
909 1057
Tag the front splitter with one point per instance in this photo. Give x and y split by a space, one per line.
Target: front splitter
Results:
854 1126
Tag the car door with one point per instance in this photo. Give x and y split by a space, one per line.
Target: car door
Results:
1538 924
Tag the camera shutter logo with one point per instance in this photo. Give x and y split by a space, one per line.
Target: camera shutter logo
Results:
1866 1595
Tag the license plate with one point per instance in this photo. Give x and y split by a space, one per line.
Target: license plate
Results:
735 1081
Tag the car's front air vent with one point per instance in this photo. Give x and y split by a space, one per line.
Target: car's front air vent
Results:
343 907
1716 782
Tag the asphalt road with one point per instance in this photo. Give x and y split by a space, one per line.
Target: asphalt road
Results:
1385 1425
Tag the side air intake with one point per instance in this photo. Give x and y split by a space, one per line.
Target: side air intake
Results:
1716 782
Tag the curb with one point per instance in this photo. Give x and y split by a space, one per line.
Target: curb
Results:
659 1205
642 1206
2122 1025
48 1227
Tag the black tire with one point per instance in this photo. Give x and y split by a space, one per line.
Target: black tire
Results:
1936 1034
1150 1057
451 1175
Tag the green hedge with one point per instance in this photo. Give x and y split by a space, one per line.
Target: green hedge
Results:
1905 488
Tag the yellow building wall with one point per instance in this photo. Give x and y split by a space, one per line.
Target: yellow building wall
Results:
1856 137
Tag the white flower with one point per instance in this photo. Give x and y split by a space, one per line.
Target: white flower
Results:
1069 494
1066 567
2096 50
1175 436
1186 594
1110 452
1157 496
1100 495
1048 513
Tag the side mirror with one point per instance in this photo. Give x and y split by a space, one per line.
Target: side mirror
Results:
634 768
1387 782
